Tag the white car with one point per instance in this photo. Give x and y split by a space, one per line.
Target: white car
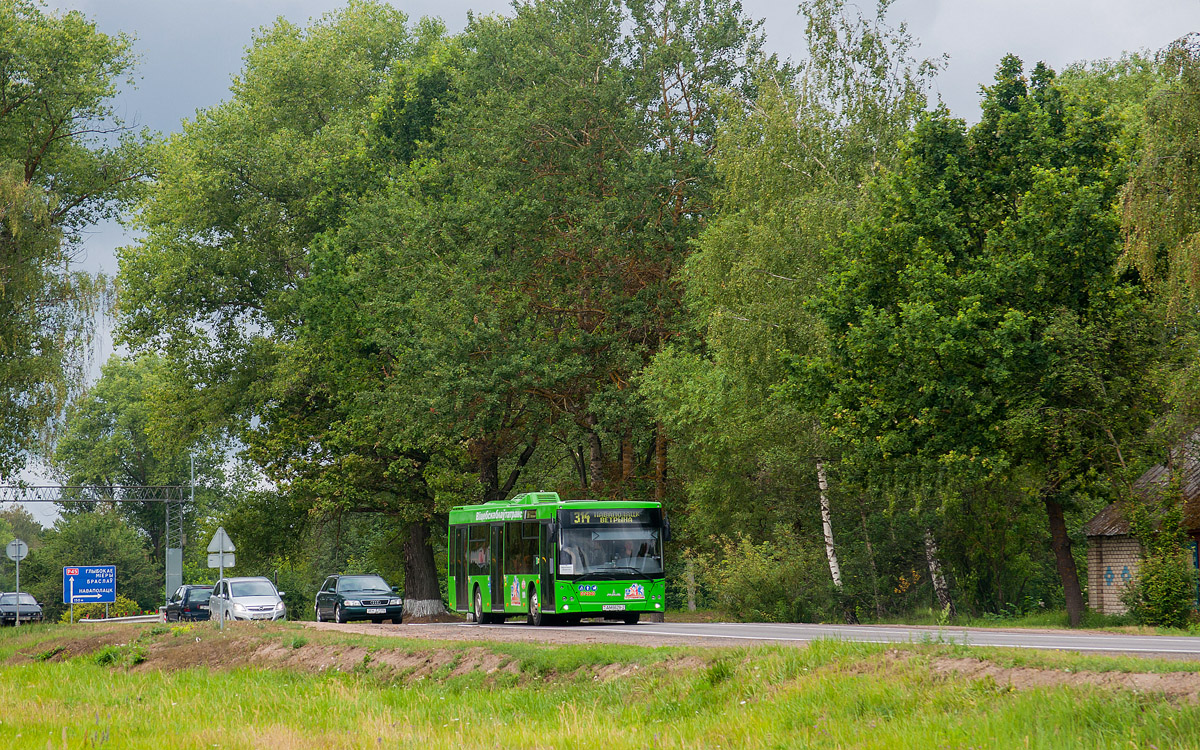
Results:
246 598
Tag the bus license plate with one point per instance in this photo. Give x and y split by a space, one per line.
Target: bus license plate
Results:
376 611
613 607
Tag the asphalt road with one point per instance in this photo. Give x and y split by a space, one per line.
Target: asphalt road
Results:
712 634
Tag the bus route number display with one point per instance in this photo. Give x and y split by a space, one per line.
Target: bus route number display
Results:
601 517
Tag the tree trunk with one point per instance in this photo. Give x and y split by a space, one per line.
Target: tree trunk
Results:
935 574
422 595
835 570
580 464
871 560
489 472
596 459
660 463
1065 561
626 457
515 474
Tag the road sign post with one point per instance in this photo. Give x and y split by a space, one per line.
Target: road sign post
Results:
17 550
220 556
89 584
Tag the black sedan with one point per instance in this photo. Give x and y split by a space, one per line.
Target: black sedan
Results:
358 597
189 603
23 605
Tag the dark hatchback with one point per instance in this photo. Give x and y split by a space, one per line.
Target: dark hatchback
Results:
358 597
24 605
189 603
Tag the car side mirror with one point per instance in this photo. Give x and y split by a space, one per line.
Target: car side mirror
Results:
395 589
282 594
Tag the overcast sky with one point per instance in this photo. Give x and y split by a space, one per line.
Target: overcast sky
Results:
190 50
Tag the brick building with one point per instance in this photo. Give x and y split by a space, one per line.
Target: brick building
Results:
1114 554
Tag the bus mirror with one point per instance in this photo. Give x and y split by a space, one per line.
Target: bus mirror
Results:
552 531
666 535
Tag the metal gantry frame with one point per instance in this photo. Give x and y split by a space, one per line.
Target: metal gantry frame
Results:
172 496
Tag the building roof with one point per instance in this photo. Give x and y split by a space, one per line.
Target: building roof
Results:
1183 463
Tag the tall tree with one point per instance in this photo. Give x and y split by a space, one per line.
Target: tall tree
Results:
66 161
792 160
1161 201
531 252
221 284
977 326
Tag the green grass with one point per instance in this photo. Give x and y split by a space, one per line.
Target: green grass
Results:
827 695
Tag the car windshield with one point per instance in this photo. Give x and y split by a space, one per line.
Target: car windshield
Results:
199 595
346 584
251 588
12 599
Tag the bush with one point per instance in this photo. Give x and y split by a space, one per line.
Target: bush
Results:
776 581
126 655
122 607
1161 594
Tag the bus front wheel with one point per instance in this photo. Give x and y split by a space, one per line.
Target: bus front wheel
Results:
633 618
536 618
478 608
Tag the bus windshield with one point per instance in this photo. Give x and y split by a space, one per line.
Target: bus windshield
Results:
628 551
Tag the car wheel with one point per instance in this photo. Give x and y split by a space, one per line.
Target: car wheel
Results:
395 620
535 610
338 615
317 614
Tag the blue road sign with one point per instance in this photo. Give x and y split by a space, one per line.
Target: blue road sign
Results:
90 583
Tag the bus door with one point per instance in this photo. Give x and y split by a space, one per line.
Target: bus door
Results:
497 568
546 567
459 569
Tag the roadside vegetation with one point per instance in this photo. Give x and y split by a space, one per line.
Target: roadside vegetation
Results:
287 687
871 360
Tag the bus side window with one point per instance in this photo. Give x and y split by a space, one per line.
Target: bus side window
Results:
478 554
520 546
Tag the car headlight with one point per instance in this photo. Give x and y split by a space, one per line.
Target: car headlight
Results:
239 607
352 603
279 606
395 602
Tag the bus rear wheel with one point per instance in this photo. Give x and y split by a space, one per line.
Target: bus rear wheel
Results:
633 618
535 618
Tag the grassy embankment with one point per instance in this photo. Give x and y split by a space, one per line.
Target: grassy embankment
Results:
282 687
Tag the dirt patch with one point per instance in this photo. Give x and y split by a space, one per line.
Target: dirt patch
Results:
443 617
287 647
1181 686
62 649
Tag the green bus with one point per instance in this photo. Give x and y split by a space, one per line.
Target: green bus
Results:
556 560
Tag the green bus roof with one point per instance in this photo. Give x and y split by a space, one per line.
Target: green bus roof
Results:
533 505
